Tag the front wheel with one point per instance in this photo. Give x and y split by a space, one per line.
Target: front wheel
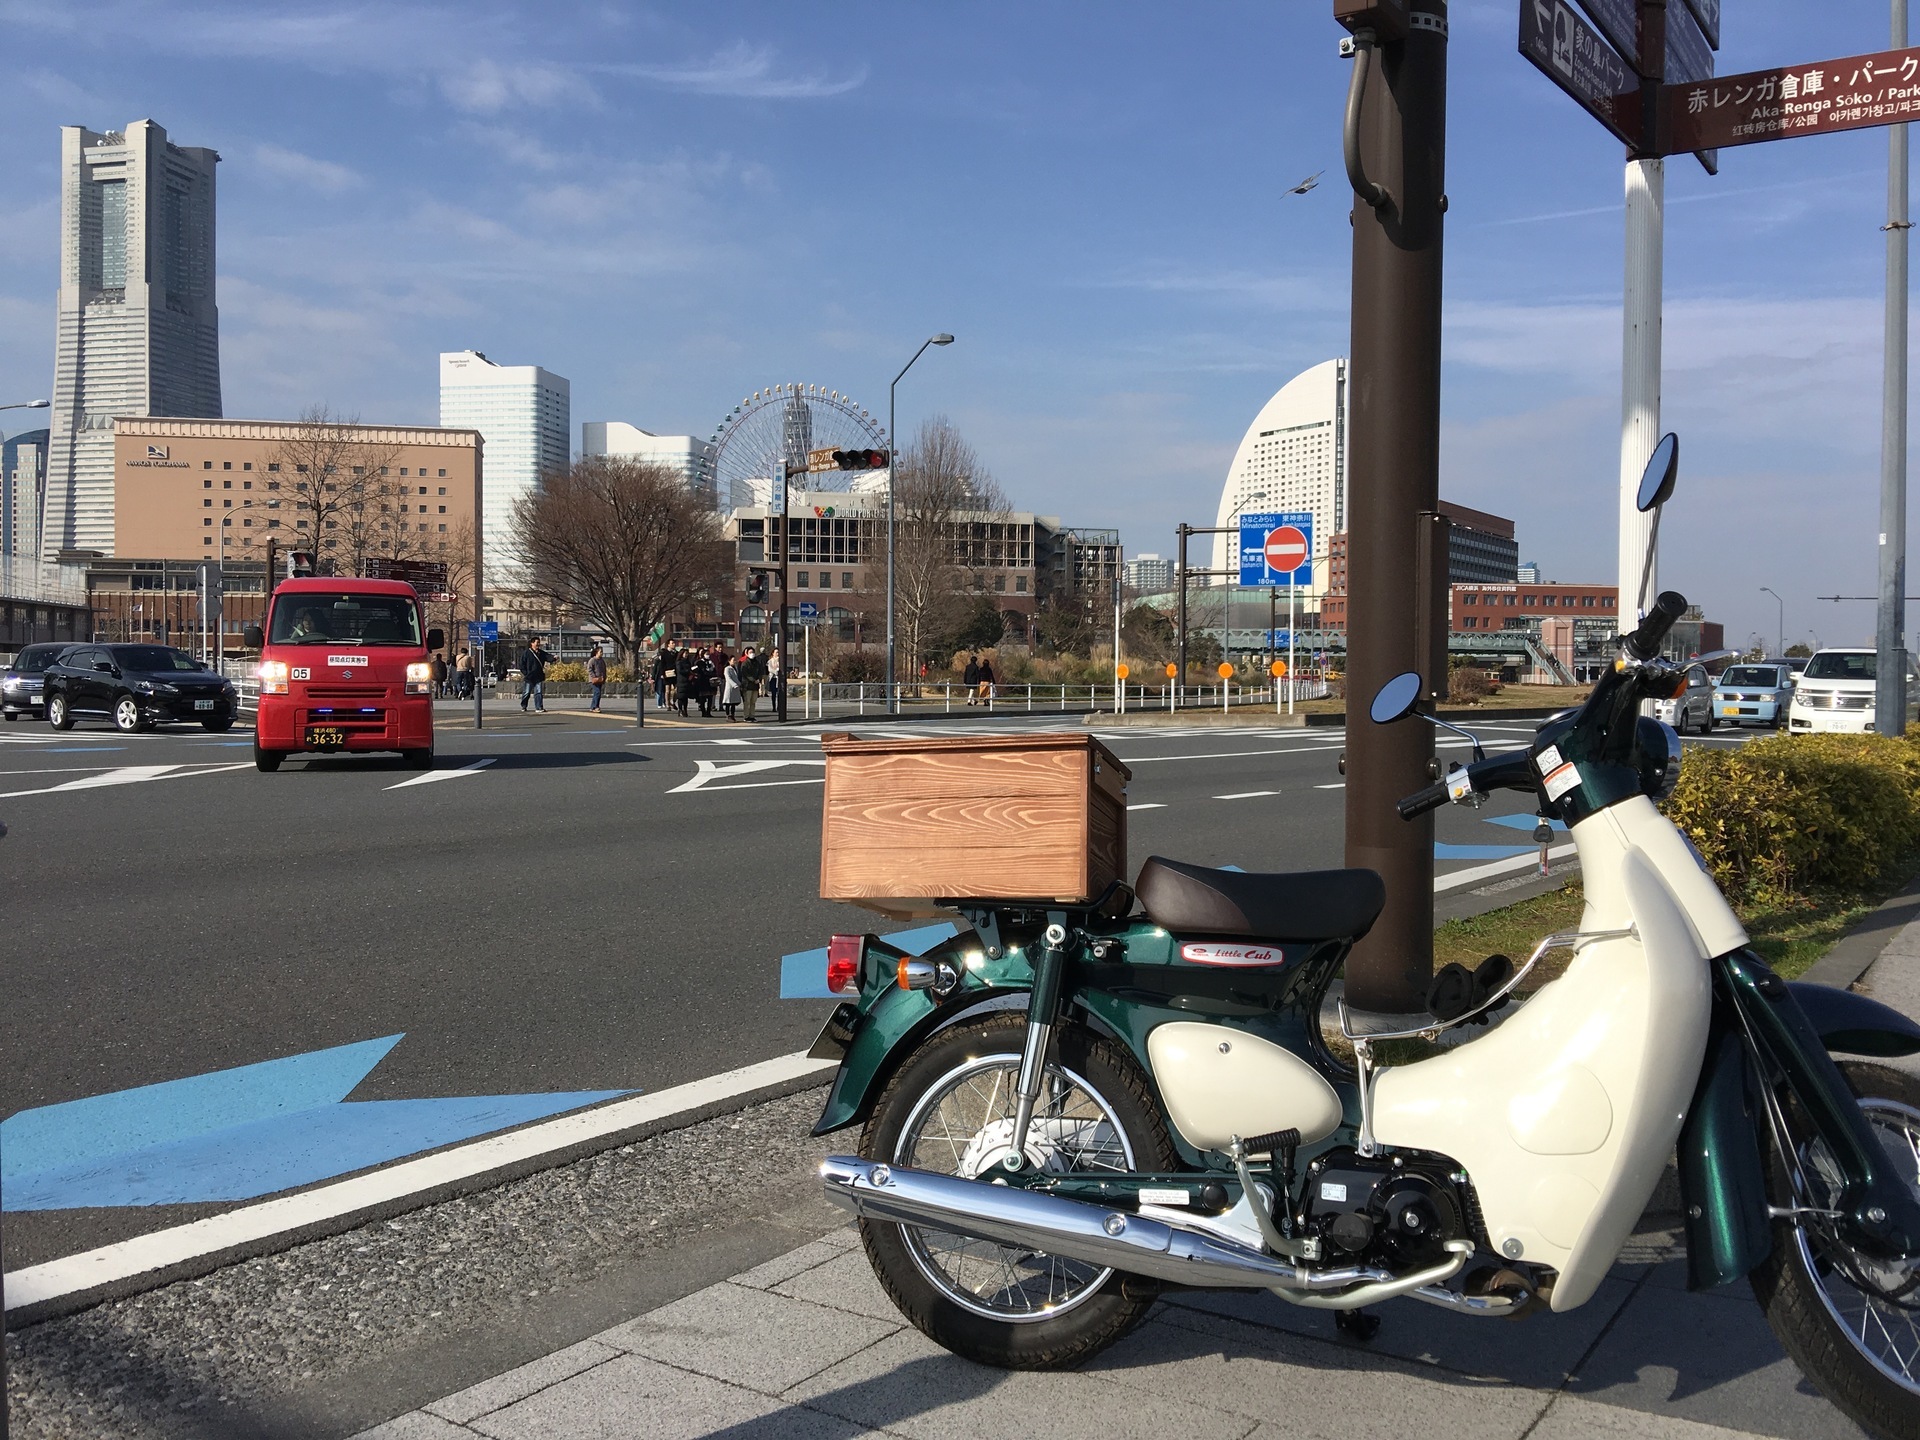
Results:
417 759
949 1109
59 714
1851 1322
267 761
128 717
219 724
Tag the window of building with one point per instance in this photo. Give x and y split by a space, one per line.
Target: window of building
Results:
207 539
301 468
227 504
299 524
246 524
443 474
273 524
226 464
403 469
208 502
423 489
335 525
1019 584
246 484
800 581
1000 584
443 509
206 484
207 521
442 527
846 580
206 464
273 485
443 489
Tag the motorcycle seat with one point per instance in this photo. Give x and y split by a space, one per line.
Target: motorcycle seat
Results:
1299 905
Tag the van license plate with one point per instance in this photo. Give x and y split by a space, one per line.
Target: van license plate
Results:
203 704
325 737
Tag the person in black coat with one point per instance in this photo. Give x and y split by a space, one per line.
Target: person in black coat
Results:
533 676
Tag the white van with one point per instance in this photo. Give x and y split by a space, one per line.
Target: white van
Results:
1834 694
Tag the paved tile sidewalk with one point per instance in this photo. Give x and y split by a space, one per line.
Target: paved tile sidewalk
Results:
807 1345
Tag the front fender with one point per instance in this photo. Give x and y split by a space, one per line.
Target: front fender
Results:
1855 1024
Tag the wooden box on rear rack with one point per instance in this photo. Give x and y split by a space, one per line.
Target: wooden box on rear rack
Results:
911 823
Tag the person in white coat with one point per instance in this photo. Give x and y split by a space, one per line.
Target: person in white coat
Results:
730 689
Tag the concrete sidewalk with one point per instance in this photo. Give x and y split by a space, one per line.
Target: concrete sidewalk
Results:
808 1345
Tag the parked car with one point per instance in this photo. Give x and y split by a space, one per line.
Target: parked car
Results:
20 681
1692 707
137 687
1754 693
1835 694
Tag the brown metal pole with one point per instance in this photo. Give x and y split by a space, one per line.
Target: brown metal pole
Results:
1180 637
1394 476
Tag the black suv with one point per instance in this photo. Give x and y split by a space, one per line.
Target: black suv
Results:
20 681
136 686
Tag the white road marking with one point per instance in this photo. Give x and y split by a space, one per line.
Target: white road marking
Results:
1246 795
730 742
1230 754
131 775
712 770
1337 785
1155 805
1453 880
334 1206
432 775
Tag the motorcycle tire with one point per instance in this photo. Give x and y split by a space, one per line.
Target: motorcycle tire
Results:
1829 1326
974 1063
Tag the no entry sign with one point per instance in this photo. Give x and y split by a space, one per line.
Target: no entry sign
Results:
1277 548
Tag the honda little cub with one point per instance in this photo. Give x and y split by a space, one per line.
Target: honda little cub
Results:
1068 1110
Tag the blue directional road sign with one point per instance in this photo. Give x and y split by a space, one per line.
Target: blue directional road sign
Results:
483 632
1276 548
809 610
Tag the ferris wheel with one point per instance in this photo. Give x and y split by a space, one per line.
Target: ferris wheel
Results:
784 422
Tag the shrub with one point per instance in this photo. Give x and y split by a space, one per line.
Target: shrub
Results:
1779 817
851 667
567 671
1469 685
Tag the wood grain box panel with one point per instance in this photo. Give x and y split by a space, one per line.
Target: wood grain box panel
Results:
908 822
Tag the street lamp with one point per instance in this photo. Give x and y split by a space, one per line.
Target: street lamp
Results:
893 465
1769 590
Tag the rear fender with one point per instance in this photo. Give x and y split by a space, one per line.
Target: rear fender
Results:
888 1031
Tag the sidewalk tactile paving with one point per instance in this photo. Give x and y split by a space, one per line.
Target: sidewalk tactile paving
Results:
909 1385
1325 1390
515 1385
765 1341
634 1398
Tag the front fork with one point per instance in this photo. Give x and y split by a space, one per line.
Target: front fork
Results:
1043 1008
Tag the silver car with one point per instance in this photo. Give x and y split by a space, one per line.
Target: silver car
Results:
20 681
1693 706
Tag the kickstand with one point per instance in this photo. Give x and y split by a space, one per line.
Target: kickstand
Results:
1356 1324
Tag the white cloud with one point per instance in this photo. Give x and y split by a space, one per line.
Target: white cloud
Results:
745 72
304 170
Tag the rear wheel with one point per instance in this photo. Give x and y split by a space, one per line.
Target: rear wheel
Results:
1849 1321
12 715
59 716
949 1109
267 760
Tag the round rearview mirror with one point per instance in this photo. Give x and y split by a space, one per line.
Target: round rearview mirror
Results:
1396 699
1656 481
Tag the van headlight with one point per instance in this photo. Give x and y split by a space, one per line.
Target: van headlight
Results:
273 677
420 678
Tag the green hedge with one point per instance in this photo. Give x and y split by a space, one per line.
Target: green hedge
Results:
1780 817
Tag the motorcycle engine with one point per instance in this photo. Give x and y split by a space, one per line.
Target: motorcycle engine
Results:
1397 1212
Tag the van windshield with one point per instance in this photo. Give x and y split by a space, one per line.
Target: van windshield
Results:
344 619
1841 665
1761 675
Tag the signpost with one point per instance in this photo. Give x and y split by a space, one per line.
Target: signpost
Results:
1854 93
429 577
1225 670
1577 58
480 634
1277 549
1121 671
1172 670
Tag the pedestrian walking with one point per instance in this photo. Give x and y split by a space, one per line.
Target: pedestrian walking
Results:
970 677
533 676
730 689
439 664
753 675
986 681
660 678
596 677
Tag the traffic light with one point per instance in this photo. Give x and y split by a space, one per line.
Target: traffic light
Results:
299 563
273 565
860 459
757 587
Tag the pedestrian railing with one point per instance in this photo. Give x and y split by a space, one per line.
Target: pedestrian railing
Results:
1029 697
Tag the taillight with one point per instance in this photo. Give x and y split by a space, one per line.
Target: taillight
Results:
844 953
273 677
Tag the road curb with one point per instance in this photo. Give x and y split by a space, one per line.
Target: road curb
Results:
185 1252
1854 953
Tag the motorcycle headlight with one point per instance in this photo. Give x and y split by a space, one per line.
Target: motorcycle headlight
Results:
1659 749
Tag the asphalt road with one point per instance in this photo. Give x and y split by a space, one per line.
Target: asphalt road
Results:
562 904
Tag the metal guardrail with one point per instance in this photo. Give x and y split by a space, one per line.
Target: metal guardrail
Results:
1022 697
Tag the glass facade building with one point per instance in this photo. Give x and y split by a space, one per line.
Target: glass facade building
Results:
523 414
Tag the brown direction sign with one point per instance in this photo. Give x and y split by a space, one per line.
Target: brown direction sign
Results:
1853 93
1572 54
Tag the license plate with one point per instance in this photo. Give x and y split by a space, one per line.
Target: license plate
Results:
325 737
203 704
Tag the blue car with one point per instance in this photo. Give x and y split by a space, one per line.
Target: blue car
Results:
1754 693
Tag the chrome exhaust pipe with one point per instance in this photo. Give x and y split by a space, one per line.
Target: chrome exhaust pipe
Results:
1097 1235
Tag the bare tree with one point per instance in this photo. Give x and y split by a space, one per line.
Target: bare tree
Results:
947 510
624 542
339 474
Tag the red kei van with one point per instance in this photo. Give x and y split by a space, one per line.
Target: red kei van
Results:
343 666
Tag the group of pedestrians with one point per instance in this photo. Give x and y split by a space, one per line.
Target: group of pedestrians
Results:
712 679
455 681
979 679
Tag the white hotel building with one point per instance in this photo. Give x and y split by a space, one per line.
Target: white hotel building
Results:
524 417
1293 457
683 454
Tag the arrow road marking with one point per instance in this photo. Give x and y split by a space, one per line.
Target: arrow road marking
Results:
130 775
432 775
711 770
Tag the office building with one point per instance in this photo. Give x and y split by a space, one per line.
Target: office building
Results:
23 473
1480 550
138 331
1528 572
1293 457
683 454
523 414
1149 574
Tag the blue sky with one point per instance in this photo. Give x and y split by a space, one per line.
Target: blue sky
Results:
674 206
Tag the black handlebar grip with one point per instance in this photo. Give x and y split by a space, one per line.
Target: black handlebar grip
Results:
1644 643
1421 801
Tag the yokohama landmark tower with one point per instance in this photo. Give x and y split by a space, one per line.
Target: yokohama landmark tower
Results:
138 330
